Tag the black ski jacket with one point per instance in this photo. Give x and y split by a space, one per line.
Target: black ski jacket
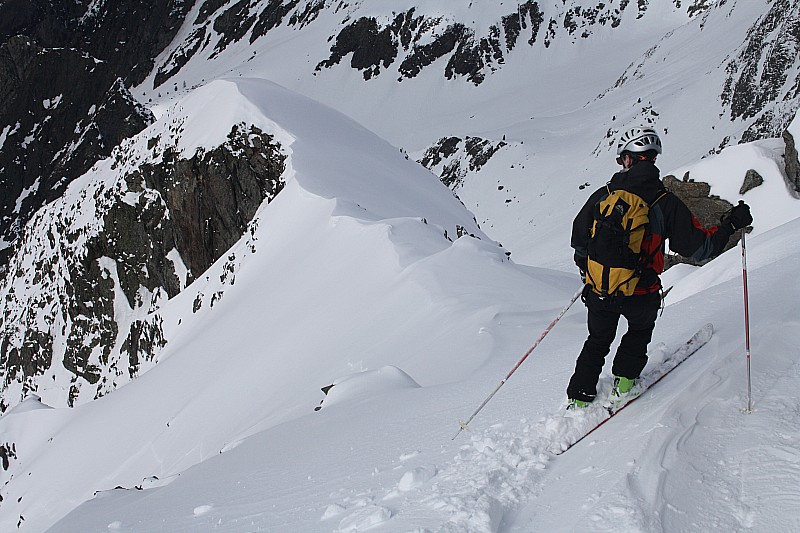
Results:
670 219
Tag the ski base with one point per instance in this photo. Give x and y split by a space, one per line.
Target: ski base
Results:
583 422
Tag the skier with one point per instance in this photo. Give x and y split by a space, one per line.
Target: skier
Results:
669 218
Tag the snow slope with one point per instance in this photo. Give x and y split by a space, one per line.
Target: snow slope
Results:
352 271
356 275
683 458
222 433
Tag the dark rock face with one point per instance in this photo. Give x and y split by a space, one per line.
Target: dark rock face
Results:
64 105
792 161
369 45
194 208
274 14
126 34
374 46
707 208
233 24
415 40
60 112
759 73
514 24
470 58
214 196
458 156
46 22
179 57
7 454
423 55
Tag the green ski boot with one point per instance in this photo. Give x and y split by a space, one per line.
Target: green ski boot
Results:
574 404
622 386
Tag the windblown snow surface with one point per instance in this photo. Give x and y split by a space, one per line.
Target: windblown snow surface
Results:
355 275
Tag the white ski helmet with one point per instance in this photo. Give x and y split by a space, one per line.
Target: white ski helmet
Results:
639 140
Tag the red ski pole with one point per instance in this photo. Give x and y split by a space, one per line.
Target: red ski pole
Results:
746 325
503 381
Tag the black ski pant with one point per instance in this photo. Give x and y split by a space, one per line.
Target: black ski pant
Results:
640 311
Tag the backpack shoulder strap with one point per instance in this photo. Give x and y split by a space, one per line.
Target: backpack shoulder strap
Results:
664 192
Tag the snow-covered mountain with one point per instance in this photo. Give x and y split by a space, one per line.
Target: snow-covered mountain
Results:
498 112
264 231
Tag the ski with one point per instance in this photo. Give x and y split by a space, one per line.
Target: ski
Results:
598 414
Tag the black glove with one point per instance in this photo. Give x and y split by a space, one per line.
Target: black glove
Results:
583 265
739 217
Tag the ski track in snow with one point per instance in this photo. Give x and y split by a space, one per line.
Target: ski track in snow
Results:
499 469
495 471
506 465
750 475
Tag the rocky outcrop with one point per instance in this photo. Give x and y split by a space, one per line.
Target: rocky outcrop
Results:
49 23
370 45
515 24
451 158
707 208
159 227
233 24
213 196
7 454
423 40
60 112
698 198
752 179
792 161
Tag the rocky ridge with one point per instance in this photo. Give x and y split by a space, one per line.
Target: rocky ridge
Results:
41 91
84 288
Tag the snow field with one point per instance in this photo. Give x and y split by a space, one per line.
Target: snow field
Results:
677 459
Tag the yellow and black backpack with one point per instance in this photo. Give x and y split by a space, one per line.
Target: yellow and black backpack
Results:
615 243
